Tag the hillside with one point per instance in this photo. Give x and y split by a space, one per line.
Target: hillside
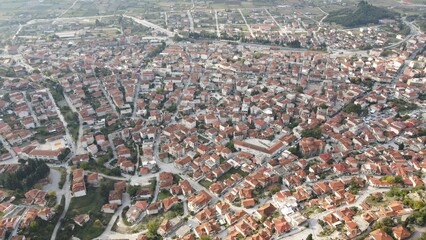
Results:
364 14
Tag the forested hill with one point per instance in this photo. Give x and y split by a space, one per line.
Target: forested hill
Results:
364 14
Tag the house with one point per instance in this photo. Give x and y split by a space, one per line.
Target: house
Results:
332 220
184 231
169 202
246 225
248 203
311 146
81 219
109 208
168 225
400 232
207 228
80 158
50 155
232 218
135 211
93 179
281 225
127 166
45 213
154 208
92 149
186 187
379 234
206 214
222 207
351 229
78 189
198 201
295 219
166 180
264 211
115 197
144 193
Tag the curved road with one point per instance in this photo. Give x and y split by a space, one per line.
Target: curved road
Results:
67 196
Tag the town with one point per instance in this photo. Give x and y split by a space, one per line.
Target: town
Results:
209 122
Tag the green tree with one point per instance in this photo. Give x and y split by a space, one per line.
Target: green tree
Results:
353 108
231 146
312 132
152 227
132 190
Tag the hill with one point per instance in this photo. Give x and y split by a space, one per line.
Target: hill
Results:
364 14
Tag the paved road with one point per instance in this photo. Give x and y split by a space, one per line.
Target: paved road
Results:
414 31
102 87
151 25
279 25
108 230
37 122
7 146
68 137
66 10
79 147
67 195
53 185
248 26
191 21
217 24
135 98
111 143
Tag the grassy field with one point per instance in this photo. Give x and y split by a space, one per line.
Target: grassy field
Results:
163 194
230 172
309 210
205 183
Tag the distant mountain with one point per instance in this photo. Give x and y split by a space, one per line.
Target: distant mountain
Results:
364 14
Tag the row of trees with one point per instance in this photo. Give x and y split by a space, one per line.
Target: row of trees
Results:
26 176
242 38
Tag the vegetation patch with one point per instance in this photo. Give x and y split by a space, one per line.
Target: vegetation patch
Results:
39 228
230 172
163 194
363 14
26 176
205 183
90 204
63 172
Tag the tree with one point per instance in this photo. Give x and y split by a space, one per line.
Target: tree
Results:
363 14
309 237
97 223
231 146
398 179
353 108
152 227
132 190
33 225
295 150
294 44
312 132
323 106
